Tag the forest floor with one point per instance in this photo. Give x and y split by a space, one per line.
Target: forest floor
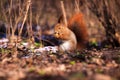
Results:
93 64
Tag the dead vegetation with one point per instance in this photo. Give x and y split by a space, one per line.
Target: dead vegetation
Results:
21 21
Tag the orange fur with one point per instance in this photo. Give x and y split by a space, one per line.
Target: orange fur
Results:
75 33
77 25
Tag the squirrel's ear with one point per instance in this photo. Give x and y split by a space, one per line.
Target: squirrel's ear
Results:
61 19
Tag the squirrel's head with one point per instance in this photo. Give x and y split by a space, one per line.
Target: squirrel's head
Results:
61 31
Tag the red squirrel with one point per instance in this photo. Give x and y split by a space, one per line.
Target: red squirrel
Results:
74 35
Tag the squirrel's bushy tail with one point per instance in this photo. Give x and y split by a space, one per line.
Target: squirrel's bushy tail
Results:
77 24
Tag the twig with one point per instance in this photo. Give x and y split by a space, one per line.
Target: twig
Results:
27 8
30 26
64 13
77 6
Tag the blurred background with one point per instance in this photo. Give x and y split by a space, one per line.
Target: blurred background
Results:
102 16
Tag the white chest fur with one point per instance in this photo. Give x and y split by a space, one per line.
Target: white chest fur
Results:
66 45
69 44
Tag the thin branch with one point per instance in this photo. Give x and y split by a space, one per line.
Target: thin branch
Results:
77 6
26 13
64 13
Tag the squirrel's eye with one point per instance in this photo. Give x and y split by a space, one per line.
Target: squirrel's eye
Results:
59 28
56 32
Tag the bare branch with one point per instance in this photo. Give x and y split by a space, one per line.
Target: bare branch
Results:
26 13
64 13
77 6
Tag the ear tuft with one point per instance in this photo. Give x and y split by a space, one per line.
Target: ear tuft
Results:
61 19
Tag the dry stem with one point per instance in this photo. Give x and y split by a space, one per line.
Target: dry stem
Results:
26 13
77 9
64 13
